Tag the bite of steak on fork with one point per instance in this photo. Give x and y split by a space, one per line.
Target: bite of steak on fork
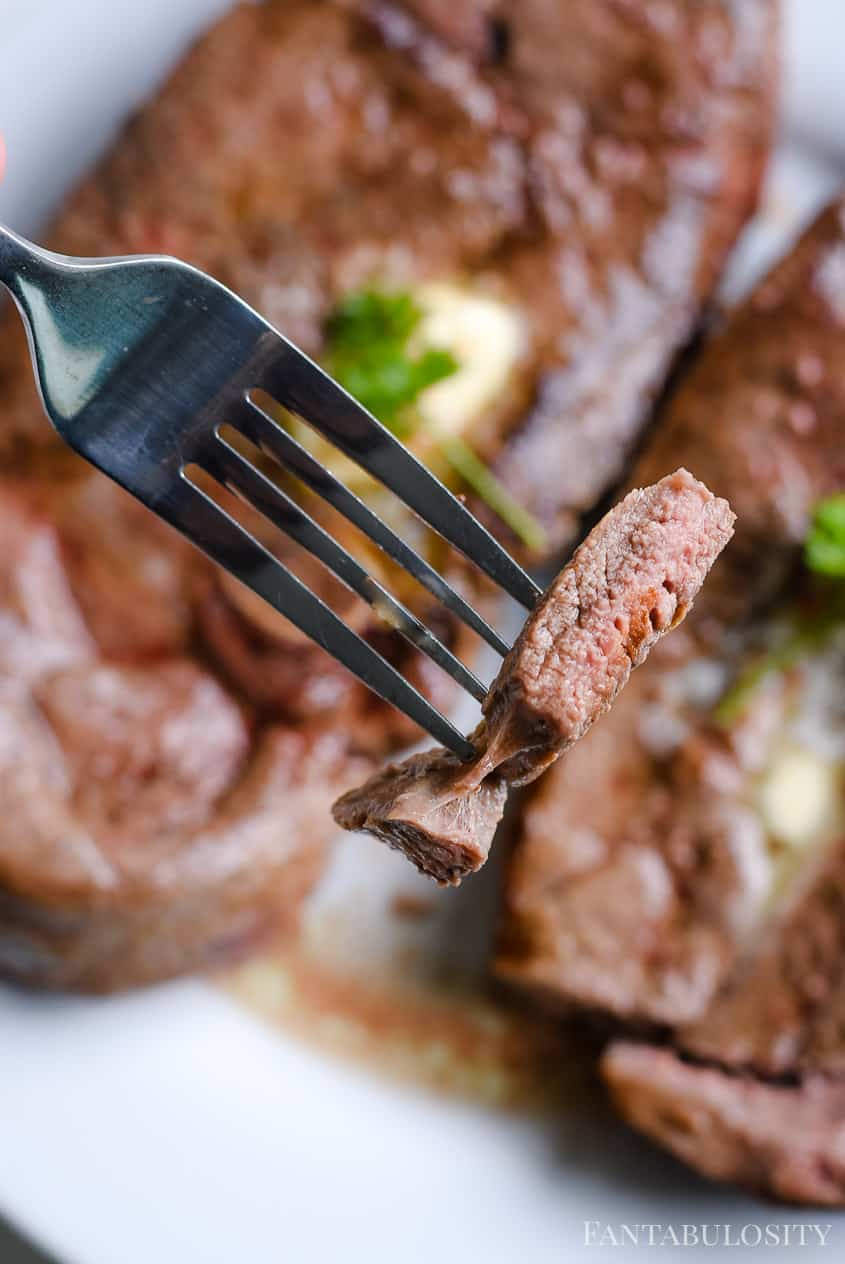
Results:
632 580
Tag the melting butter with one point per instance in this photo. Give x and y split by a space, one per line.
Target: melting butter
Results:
801 798
486 336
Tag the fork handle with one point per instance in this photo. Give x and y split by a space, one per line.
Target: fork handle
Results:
26 272
37 281
16 254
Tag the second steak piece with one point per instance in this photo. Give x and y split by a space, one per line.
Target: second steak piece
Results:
631 581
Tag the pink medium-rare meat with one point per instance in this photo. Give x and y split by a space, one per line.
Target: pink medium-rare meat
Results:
631 581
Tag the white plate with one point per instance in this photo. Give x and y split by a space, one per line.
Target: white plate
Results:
173 1127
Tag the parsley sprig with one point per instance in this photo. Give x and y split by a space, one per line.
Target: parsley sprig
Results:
370 351
368 335
824 551
824 556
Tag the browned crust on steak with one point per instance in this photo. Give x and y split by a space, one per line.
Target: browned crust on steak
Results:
148 828
782 1141
656 138
81 909
753 1092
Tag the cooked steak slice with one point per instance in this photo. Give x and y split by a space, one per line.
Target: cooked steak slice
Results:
760 417
783 1141
631 581
639 884
662 792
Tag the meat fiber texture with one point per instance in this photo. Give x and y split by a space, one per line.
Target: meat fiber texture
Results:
632 580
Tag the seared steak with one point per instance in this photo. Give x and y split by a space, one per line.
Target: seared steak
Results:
631 581
411 153
641 861
332 145
125 867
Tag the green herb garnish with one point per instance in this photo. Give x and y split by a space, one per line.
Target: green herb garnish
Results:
370 352
484 483
824 555
824 551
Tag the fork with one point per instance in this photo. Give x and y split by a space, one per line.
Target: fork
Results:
145 365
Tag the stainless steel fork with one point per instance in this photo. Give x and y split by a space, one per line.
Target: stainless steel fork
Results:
143 362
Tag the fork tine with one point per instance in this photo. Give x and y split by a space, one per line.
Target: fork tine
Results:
300 385
232 469
266 434
226 542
